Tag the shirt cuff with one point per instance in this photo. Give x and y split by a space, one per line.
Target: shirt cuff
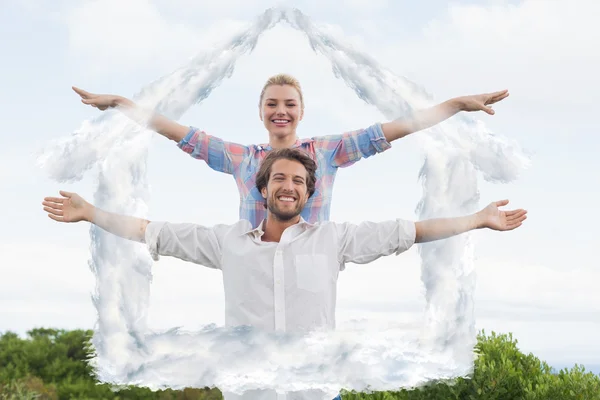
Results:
186 140
378 139
407 234
153 230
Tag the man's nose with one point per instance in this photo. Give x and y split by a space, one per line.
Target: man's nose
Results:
288 185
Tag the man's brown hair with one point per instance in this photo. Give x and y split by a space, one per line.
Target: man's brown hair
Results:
264 172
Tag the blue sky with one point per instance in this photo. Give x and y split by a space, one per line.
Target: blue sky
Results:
539 282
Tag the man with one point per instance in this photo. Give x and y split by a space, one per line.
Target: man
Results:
282 274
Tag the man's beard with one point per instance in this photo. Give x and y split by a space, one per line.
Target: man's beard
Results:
282 215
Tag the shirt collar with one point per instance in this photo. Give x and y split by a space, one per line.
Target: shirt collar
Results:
258 231
267 147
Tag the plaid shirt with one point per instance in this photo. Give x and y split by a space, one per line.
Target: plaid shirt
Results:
330 153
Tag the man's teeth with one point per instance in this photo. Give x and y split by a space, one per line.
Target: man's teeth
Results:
285 198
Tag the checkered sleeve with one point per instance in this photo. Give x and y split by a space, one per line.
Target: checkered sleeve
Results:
220 155
348 148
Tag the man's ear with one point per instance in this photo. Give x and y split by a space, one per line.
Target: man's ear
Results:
263 191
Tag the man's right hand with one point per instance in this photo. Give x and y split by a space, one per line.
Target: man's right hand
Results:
69 208
100 101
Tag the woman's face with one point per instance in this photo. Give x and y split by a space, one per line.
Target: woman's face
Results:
281 110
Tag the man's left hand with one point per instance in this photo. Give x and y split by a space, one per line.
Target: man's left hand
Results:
492 217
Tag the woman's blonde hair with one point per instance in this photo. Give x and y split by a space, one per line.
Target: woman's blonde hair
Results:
282 79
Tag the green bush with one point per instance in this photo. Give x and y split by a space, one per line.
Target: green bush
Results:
502 372
28 388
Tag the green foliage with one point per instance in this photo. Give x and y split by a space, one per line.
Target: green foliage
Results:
28 388
502 372
52 364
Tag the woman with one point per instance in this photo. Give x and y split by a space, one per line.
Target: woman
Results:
281 107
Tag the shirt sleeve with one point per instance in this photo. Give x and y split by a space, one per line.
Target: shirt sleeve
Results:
220 155
188 242
368 241
348 148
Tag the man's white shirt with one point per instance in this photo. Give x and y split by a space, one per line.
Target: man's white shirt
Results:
288 286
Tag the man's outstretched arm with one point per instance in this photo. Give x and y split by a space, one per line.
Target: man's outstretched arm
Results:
423 119
490 217
188 242
367 241
159 123
73 208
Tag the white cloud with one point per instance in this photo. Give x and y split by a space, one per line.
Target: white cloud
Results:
111 36
506 290
44 284
545 52
217 9
226 8
541 306
537 292
6 172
